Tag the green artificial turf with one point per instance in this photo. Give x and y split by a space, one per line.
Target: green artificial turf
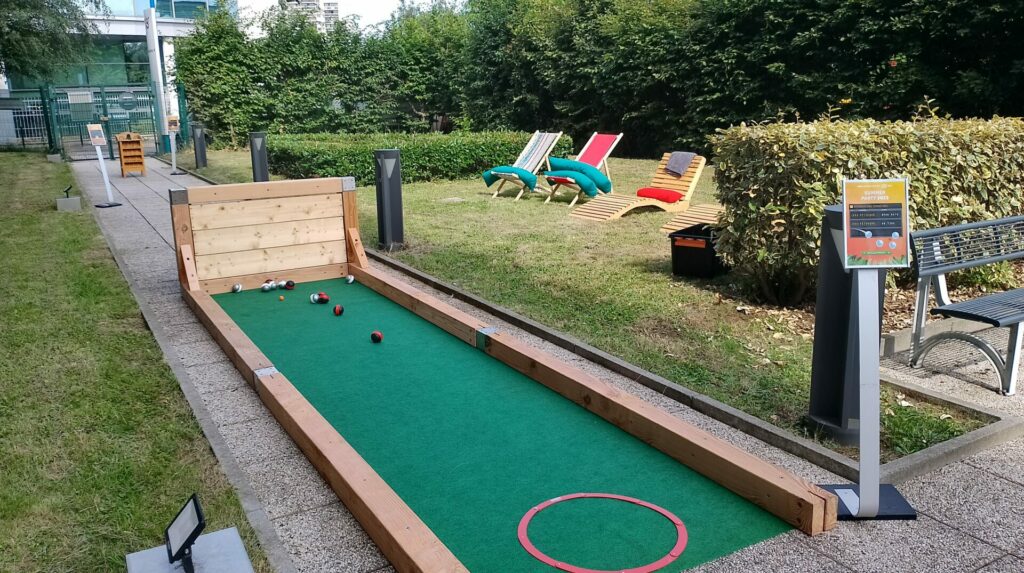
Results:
471 445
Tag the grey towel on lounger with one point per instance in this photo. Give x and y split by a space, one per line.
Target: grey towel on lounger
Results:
679 162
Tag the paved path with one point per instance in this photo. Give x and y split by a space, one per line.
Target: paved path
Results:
970 515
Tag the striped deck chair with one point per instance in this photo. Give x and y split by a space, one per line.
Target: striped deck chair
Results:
667 191
594 153
533 156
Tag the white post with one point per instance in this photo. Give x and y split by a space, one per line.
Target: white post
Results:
155 70
174 156
103 170
870 400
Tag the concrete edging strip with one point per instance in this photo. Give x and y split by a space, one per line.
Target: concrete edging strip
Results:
1004 427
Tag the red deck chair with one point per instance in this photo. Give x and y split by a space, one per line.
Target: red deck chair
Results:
595 153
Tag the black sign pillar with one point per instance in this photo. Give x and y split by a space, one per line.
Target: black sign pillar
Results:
389 198
834 380
258 152
199 144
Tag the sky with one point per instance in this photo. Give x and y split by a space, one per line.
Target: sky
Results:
369 11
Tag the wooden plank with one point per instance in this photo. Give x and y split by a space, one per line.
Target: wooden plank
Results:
263 211
189 262
319 273
249 237
450 319
793 499
356 252
245 191
271 261
181 224
400 534
789 497
246 357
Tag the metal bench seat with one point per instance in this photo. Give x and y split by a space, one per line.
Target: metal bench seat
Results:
999 309
948 249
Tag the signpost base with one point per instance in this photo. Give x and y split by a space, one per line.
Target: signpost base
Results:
891 503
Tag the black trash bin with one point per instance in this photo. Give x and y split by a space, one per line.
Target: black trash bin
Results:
693 252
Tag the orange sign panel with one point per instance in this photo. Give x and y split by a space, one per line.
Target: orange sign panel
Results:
96 136
877 227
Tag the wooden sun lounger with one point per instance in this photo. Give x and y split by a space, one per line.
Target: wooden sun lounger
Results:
707 214
611 206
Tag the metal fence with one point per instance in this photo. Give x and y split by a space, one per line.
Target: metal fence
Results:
23 123
56 118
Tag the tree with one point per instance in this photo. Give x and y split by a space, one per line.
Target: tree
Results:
38 37
220 70
426 47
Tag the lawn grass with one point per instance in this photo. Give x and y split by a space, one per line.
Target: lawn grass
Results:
610 284
98 447
221 165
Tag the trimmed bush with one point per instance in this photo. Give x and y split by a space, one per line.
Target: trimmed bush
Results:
776 179
424 156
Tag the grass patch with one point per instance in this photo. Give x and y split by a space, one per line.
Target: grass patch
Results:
221 164
98 447
610 284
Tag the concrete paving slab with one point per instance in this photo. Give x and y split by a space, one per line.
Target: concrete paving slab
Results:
187 334
973 499
1003 460
289 485
329 539
781 553
234 406
924 546
173 312
257 441
215 377
1005 564
200 353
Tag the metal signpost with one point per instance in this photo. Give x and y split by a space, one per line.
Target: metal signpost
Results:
875 237
173 126
98 140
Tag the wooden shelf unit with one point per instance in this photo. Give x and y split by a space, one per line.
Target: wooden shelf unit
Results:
129 149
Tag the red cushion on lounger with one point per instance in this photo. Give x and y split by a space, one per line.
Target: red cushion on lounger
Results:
664 195
561 180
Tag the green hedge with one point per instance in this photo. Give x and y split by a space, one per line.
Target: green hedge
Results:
424 156
776 179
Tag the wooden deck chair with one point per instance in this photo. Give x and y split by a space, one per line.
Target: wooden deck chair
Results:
611 206
594 153
696 215
533 156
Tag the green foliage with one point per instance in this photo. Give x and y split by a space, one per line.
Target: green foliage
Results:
775 180
222 75
426 48
424 156
39 37
665 72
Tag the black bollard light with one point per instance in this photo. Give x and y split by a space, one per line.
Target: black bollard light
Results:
199 144
389 198
258 152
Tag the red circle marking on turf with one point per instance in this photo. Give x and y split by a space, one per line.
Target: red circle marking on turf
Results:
673 554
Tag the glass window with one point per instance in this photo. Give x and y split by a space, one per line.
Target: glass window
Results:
164 9
189 8
141 6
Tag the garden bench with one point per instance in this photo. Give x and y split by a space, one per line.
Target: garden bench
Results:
947 249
